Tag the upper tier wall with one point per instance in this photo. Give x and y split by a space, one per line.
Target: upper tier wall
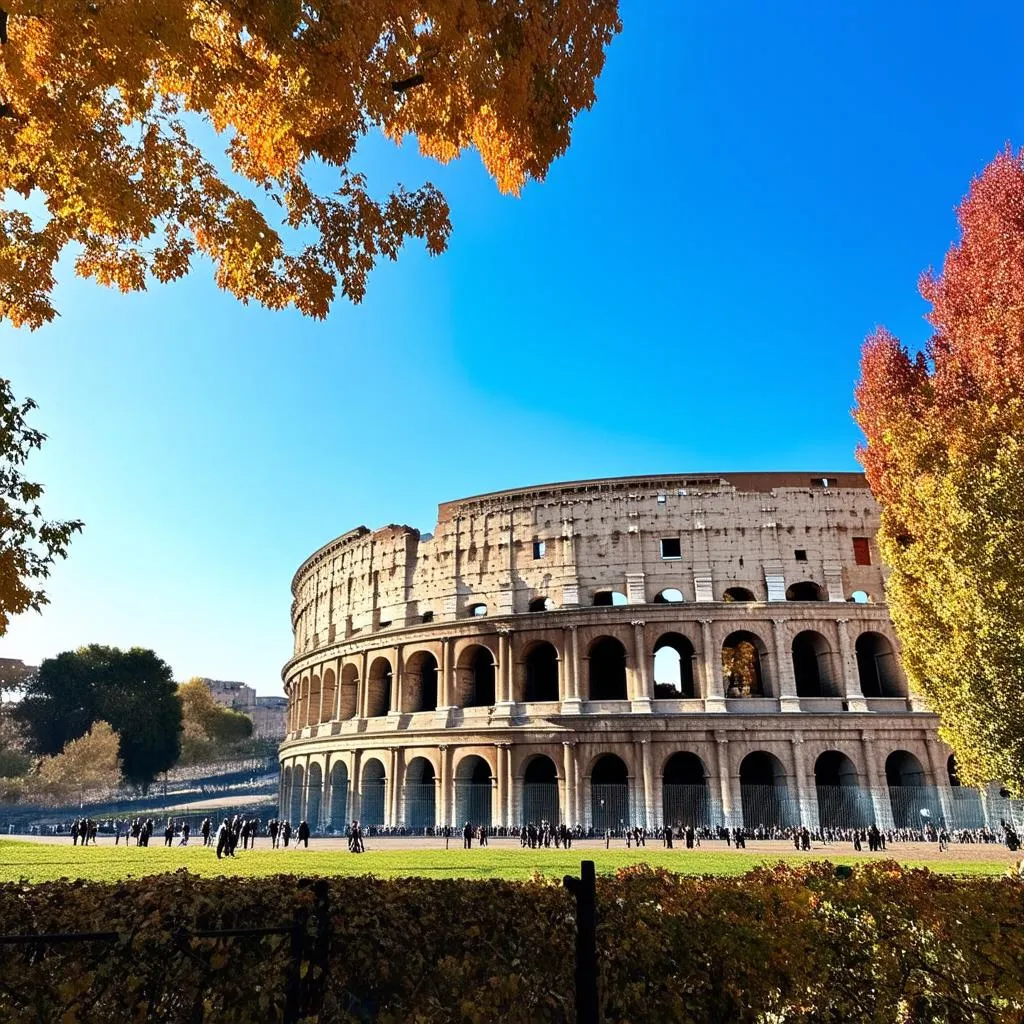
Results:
566 542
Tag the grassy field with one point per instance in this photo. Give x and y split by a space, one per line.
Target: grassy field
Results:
39 862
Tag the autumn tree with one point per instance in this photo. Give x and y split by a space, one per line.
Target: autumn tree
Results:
29 543
88 763
133 690
102 106
944 455
208 728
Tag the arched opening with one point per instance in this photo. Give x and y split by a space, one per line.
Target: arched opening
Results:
379 685
330 690
420 795
349 704
477 610
473 791
841 801
966 806
298 794
765 792
540 791
302 719
741 665
805 590
474 678
738 594
669 596
315 693
609 598
284 800
674 658
685 798
607 670
812 665
339 795
878 668
609 793
316 787
541 666
860 597
542 604
913 800
371 800
420 683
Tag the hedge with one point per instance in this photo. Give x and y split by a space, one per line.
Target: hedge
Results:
809 943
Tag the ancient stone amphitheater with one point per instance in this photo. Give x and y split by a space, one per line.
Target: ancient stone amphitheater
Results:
707 649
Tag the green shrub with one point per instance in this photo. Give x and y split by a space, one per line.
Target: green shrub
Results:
786 944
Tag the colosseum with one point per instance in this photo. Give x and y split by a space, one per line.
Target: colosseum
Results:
707 649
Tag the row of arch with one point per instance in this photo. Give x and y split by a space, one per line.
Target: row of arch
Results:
687 798
816 668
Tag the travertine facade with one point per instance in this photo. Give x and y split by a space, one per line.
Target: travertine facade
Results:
723 637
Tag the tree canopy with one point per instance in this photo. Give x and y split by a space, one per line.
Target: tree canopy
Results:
944 455
88 763
29 544
208 727
131 690
103 107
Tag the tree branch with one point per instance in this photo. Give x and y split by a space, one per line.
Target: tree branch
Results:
407 83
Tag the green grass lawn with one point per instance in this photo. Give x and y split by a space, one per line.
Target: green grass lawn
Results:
40 862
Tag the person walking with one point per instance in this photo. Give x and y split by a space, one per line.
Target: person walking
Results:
303 834
467 836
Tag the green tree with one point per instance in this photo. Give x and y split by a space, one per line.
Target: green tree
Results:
132 690
91 762
208 727
29 544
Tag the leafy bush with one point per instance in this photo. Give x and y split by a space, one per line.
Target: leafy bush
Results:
786 944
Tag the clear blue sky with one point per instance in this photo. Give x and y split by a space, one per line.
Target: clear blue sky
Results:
754 190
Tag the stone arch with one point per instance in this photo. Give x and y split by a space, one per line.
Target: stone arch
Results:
315 787
878 667
477 610
685 795
609 793
540 672
475 677
741 595
420 794
338 816
951 771
372 809
542 604
912 797
378 685
674 661
842 803
861 597
606 670
348 706
473 786
303 703
315 693
298 794
764 792
609 598
743 654
670 595
540 790
330 690
420 682
813 665
804 590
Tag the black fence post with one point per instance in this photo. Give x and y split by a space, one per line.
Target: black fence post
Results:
584 889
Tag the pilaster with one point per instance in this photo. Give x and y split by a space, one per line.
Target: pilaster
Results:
788 699
714 690
640 698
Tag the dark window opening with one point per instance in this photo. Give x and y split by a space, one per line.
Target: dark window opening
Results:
671 547
800 555
861 551
541 674
538 549
607 674
428 617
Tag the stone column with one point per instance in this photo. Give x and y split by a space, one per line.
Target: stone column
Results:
941 778
325 795
397 684
336 711
788 699
724 780
852 693
305 788
444 782
648 818
877 785
500 812
569 781
806 789
353 810
571 700
714 689
510 788
445 685
503 682
641 696
398 773
320 708
364 687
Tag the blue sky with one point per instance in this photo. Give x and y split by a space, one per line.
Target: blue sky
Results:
688 290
